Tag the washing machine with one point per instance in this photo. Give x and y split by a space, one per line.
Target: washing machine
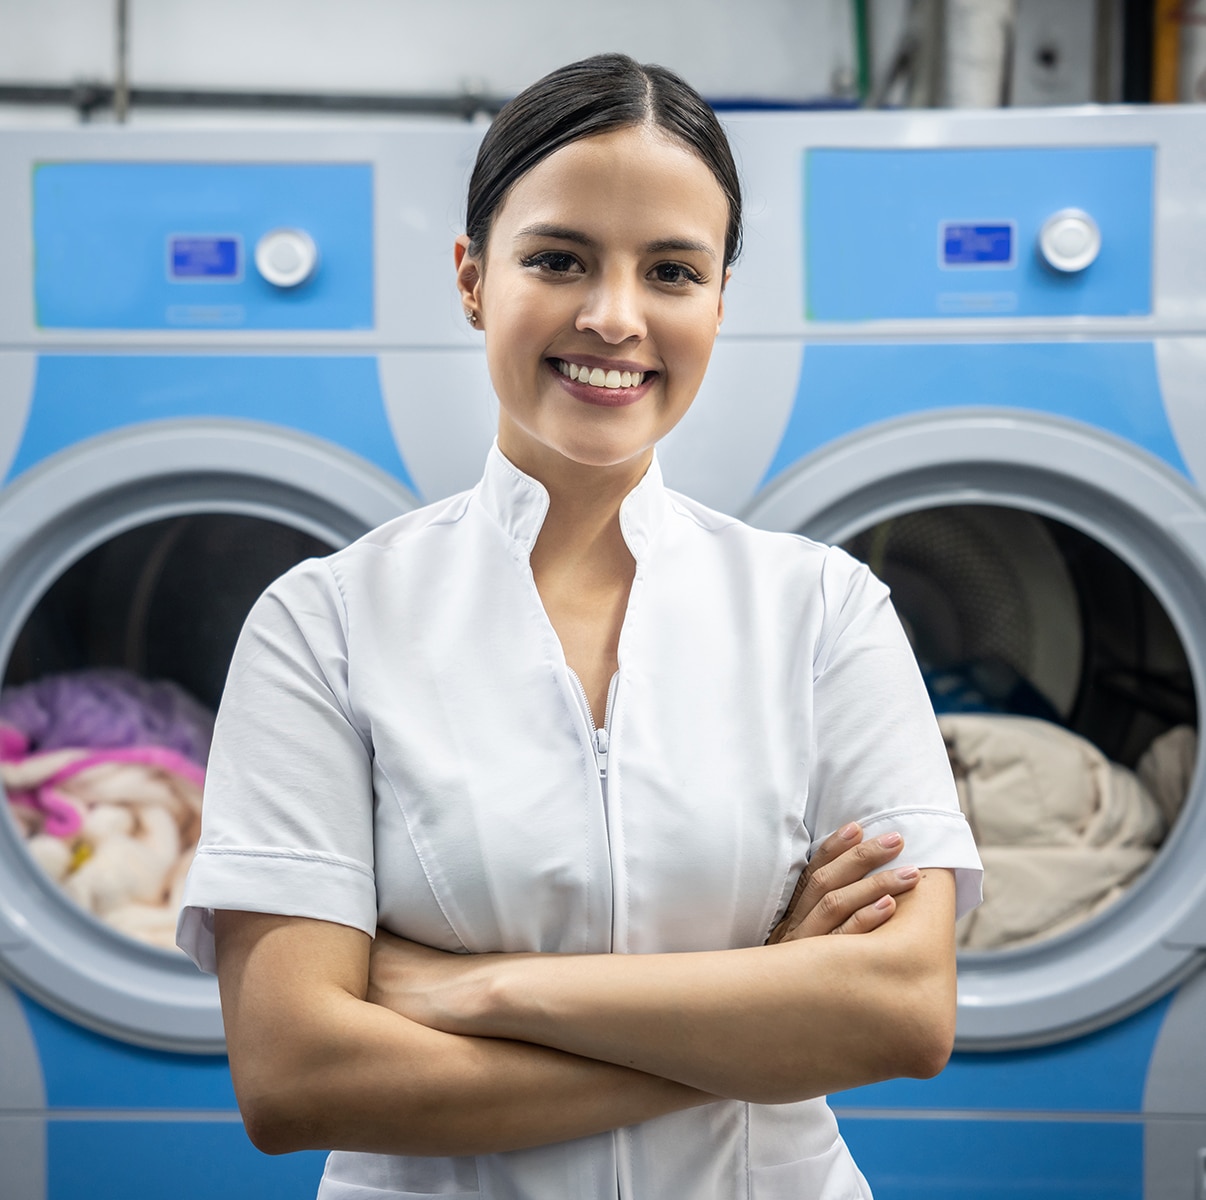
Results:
971 348
961 343
220 352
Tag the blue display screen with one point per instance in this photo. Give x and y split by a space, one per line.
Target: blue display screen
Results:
204 257
977 245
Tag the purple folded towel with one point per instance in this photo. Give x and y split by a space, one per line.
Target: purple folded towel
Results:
107 708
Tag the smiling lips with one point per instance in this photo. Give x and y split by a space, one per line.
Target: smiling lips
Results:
597 376
607 387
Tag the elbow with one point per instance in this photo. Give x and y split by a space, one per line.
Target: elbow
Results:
292 1083
285 1102
926 1033
929 1051
921 1007
275 1123
266 1135
913 1045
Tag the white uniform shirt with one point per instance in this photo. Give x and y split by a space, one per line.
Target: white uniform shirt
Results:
401 743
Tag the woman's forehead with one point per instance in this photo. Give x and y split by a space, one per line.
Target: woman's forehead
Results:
635 174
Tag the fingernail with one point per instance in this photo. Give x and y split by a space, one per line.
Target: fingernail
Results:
848 832
884 902
907 873
890 839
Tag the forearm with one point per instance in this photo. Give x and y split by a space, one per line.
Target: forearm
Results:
736 1023
768 1024
387 1085
316 1066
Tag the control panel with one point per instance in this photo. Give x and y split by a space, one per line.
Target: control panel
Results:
128 245
1025 232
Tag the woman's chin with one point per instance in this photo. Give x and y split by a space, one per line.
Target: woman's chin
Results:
591 449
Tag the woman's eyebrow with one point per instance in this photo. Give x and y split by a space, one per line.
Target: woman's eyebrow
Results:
669 244
563 233
560 233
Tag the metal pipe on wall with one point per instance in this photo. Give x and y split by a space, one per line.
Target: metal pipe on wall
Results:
121 74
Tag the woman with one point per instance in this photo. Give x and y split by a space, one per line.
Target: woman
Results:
589 732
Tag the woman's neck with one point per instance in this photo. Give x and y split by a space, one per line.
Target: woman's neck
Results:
581 530
581 564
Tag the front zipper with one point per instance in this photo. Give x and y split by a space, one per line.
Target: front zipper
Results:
600 738
600 741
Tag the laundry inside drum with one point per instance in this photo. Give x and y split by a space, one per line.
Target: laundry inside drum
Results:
1065 699
108 702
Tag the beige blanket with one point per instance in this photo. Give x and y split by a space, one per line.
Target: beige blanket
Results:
138 828
1062 831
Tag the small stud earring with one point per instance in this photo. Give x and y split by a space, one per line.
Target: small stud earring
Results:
471 317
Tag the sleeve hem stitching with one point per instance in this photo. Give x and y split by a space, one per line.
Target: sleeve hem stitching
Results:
330 860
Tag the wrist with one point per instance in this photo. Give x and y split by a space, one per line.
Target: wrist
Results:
493 1004
510 1004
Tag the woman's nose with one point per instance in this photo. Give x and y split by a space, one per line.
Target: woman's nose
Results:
613 309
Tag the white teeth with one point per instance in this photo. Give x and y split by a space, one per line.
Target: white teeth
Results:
597 377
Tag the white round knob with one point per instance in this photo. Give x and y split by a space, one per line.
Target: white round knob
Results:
286 257
1069 240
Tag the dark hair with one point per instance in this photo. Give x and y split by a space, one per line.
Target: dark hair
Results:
596 95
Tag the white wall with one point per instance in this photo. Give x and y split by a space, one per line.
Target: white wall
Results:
764 49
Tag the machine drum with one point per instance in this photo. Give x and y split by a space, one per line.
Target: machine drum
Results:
108 704
1065 700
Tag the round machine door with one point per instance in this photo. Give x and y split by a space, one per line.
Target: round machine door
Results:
129 564
1052 581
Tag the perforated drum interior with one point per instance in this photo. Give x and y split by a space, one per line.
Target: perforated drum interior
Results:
982 584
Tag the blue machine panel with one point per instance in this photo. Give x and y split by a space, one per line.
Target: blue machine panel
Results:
125 245
333 397
114 1159
1110 385
874 217
1048 1123
990 1159
1103 1072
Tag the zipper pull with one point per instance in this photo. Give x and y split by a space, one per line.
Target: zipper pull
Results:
601 744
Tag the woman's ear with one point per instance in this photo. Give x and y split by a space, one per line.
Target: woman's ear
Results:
724 283
468 280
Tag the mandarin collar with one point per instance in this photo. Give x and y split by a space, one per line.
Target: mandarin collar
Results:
518 504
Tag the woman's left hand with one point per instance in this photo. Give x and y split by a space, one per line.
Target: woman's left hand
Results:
438 989
836 891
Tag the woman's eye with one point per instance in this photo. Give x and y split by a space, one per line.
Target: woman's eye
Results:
555 262
673 272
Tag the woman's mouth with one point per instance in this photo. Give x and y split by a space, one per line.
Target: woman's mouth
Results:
600 385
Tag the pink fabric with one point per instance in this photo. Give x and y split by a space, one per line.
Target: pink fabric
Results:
62 818
159 757
104 775
14 744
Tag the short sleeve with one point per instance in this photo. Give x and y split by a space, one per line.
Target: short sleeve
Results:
878 756
287 817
